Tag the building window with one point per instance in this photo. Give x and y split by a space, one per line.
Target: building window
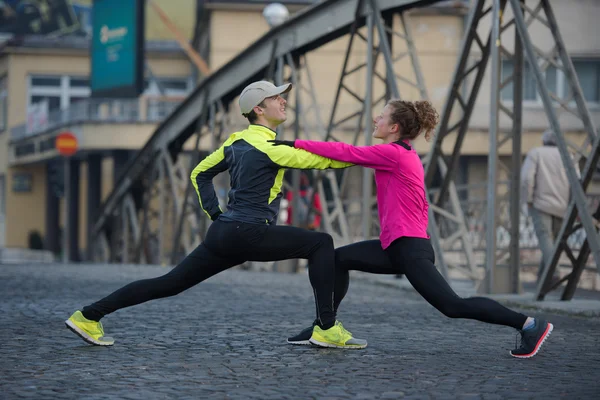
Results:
588 73
60 91
176 88
46 81
53 101
530 93
171 86
3 103
79 82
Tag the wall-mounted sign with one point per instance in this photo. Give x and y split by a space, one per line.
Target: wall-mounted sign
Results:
117 52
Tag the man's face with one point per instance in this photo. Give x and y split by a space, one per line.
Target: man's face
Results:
273 110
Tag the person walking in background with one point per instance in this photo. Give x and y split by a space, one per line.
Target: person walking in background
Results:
545 189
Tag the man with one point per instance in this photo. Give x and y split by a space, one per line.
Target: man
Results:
545 189
247 231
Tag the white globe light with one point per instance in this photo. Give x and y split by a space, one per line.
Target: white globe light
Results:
276 14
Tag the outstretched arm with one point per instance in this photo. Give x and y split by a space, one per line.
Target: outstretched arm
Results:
290 157
202 177
379 156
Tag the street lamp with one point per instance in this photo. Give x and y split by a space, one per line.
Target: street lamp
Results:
275 14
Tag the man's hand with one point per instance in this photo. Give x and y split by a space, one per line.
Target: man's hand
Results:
290 143
215 216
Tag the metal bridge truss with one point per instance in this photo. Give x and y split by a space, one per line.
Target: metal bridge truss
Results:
137 224
502 267
152 216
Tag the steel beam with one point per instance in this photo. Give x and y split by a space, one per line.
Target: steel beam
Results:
290 42
319 25
471 41
72 201
502 277
308 122
444 200
492 177
333 217
338 121
367 173
179 231
590 152
94 195
514 283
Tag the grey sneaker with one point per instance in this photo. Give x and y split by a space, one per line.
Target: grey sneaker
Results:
532 339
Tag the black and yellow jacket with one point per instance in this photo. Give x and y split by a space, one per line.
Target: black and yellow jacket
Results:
256 168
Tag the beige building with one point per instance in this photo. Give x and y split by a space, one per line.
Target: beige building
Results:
577 21
438 33
44 90
111 130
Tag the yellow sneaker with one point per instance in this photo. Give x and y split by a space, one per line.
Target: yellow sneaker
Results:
336 336
90 331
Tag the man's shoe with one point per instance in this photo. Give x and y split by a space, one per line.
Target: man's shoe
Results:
336 336
532 339
90 331
303 338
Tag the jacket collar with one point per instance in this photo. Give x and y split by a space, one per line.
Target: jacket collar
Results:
404 143
263 130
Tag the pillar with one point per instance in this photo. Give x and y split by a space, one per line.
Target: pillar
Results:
94 196
72 202
120 160
53 192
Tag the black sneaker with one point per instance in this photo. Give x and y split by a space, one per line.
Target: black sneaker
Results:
303 337
532 339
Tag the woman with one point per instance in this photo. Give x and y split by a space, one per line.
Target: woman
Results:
404 245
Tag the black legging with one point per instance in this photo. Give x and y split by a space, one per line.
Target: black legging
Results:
228 244
415 258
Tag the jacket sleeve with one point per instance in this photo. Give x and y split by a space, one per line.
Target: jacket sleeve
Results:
379 156
202 177
289 157
528 171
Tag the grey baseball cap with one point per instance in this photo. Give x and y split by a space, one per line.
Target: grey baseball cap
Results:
256 92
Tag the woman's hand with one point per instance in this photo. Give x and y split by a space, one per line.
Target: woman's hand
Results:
290 143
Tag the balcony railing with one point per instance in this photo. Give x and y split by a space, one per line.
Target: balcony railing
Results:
144 109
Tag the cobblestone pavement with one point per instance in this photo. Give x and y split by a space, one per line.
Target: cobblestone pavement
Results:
225 339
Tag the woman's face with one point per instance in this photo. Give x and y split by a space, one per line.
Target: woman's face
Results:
384 129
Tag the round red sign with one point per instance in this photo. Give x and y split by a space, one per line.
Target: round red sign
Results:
66 144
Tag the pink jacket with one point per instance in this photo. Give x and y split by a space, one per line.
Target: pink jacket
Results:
400 183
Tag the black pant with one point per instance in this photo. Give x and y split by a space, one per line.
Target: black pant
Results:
228 244
415 258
